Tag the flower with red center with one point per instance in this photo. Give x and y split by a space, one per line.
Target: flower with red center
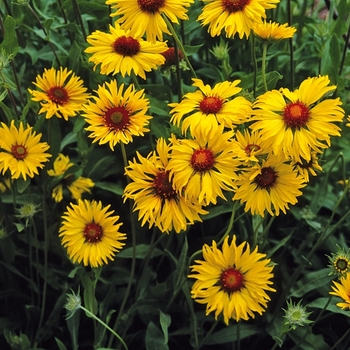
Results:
232 281
203 110
21 151
146 16
116 115
202 168
170 57
91 233
62 93
75 185
296 123
154 196
234 16
119 51
270 186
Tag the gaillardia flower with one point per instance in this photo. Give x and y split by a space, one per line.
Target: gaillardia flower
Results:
121 52
116 115
296 315
270 186
272 31
203 110
91 233
340 262
202 168
62 93
232 281
146 16
154 195
234 16
342 290
295 122
21 151
76 185
305 169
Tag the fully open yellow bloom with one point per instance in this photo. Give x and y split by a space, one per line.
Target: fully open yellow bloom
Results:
21 151
146 16
238 16
154 195
62 93
203 110
232 281
116 115
91 233
270 186
121 52
342 290
296 122
76 185
272 31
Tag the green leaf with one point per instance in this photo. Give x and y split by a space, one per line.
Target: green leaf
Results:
111 187
60 345
154 338
165 321
323 303
10 44
141 252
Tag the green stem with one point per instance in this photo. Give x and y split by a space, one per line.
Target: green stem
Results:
290 40
207 334
340 340
263 66
104 325
345 49
79 18
255 62
178 41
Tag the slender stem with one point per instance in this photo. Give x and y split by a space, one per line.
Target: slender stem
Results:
173 33
290 40
207 334
263 66
255 62
341 339
345 49
178 72
9 92
104 325
79 17
238 340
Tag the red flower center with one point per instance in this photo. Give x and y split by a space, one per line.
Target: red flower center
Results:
296 114
162 186
170 56
58 95
233 6
231 280
19 151
126 46
251 148
267 179
210 104
202 160
117 118
93 232
150 6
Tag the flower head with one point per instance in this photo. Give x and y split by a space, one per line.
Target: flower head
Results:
21 151
270 186
116 115
342 290
232 281
121 52
295 122
203 110
202 168
62 93
340 262
234 16
272 31
307 168
76 185
146 16
296 315
155 198
73 303
91 233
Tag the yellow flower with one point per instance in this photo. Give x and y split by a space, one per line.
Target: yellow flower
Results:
90 233
305 168
146 16
271 187
121 52
116 116
272 31
234 16
206 108
21 151
77 186
232 281
154 195
202 168
61 95
295 122
342 290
